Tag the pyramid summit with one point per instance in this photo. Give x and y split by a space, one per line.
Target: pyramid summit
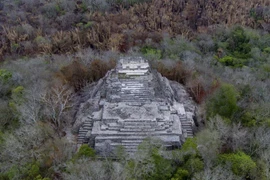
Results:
131 103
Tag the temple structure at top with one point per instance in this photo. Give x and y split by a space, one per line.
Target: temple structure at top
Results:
133 102
129 67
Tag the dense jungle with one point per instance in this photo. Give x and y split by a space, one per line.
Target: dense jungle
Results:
51 51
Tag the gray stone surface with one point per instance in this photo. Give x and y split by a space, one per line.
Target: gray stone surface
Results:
136 103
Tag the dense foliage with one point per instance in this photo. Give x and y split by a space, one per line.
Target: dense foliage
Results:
52 52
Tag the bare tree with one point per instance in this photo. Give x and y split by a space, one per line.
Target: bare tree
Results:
259 141
233 137
57 102
31 107
208 144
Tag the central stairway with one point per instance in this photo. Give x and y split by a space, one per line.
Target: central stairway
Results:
135 91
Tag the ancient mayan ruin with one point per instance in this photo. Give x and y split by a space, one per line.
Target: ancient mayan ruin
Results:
133 102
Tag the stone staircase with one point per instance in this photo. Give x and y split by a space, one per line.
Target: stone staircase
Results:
86 127
135 91
186 127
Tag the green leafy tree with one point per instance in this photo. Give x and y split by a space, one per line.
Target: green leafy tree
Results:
85 151
194 164
181 174
238 43
232 61
190 160
152 53
241 163
223 102
5 75
163 168
149 163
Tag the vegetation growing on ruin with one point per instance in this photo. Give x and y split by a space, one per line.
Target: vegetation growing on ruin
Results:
51 52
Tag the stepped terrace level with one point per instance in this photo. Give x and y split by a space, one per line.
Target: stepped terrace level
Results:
133 102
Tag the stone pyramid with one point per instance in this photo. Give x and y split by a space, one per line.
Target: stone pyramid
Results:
133 102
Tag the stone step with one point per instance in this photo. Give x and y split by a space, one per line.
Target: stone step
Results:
88 121
119 138
136 92
133 88
138 133
132 80
136 100
136 130
139 123
133 83
133 96
182 118
140 101
125 85
137 97
137 127
87 124
140 120
184 121
115 125
114 128
145 133
81 136
136 86
186 127
136 89
160 129
83 131
132 141
126 146
131 144
140 91
186 124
